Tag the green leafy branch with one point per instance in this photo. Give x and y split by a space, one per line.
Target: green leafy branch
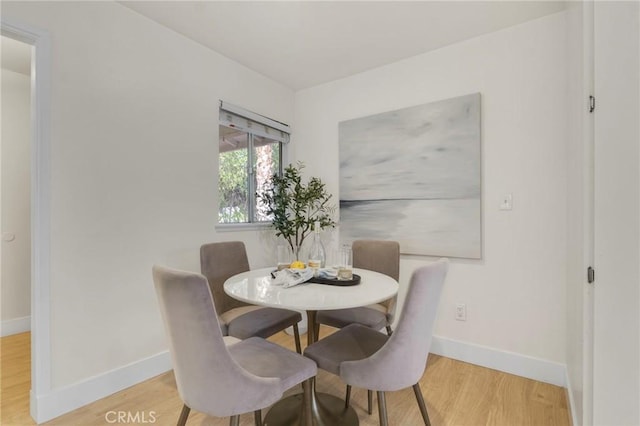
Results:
295 206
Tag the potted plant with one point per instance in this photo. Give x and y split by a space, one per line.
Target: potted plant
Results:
294 206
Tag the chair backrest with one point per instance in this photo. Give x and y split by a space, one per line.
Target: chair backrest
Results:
380 256
208 378
219 262
402 360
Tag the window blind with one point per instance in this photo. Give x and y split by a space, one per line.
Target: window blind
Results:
250 122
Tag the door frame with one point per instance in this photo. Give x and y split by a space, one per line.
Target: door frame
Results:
616 341
40 205
589 212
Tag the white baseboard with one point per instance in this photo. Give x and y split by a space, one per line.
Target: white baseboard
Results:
15 326
508 362
63 400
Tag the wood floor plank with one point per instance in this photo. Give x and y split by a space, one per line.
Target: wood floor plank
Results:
456 394
15 379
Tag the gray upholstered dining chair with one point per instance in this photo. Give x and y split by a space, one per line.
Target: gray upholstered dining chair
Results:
374 255
368 359
214 378
220 261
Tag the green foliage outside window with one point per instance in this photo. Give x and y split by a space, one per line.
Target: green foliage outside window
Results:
233 188
233 185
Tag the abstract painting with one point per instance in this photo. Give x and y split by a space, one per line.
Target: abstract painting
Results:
413 176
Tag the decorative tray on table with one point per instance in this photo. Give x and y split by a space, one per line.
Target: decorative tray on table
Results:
335 281
298 277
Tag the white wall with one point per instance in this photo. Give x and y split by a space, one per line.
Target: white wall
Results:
515 296
16 158
134 172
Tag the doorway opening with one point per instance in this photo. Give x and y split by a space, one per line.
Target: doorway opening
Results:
15 225
38 217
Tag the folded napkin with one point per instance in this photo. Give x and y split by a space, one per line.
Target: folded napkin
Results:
290 277
328 273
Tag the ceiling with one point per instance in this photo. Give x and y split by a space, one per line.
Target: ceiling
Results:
305 43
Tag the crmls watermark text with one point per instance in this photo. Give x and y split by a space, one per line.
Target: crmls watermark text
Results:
137 417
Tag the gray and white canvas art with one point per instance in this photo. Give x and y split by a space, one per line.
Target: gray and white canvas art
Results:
413 175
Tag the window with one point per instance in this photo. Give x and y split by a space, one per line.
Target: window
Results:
250 151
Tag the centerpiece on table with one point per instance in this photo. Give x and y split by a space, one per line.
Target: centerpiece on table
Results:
294 206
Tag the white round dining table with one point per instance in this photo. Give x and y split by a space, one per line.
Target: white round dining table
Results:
257 287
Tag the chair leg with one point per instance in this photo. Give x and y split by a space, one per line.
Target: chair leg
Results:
389 330
307 391
421 404
182 420
347 397
296 336
382 409
257 416
370 401
234 420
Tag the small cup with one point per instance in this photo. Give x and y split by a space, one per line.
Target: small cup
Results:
345 263
284 257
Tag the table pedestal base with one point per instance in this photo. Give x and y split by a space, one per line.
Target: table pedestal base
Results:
327 410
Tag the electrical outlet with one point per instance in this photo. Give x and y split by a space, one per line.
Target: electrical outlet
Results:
507 202
461 312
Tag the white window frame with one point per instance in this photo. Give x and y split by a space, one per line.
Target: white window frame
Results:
253 124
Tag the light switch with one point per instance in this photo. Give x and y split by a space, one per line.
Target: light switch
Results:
507 202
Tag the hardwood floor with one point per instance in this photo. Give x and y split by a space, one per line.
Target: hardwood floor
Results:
456 393
15 379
